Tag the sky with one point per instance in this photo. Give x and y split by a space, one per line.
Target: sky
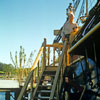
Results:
27 22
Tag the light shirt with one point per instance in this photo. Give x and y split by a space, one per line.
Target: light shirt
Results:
68 28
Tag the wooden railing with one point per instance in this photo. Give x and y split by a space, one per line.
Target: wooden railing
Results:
53 57
43 56
50 50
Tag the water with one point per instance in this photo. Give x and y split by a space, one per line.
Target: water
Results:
2 96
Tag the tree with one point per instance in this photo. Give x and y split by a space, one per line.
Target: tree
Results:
20 61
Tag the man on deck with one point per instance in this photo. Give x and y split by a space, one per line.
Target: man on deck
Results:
69 25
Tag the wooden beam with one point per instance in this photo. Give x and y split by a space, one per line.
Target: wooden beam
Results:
54 45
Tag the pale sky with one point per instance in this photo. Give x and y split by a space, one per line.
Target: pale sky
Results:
27 23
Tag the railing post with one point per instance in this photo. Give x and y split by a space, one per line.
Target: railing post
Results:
44 54
48 55
59 54
54 56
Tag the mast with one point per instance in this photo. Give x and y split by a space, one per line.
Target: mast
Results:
86 8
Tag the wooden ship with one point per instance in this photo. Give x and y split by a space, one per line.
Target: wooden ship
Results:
74 73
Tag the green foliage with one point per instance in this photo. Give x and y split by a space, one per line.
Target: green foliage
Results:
1 72
4 68
20 60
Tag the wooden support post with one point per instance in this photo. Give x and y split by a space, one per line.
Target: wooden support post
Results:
7 97
38 70
59 53
95 58
54 56
48 56
65 58
44 54
32 87
67 53
86 56
17 93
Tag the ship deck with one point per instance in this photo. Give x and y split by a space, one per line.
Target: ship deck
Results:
87 42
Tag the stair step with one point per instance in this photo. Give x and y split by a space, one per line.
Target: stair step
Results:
51 68
48 85
47 91
44 87
46 82
49 75
44 98
49 72
44 92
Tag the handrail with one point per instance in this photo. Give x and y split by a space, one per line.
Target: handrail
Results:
25 86
31 73
44 44
58 72
37 58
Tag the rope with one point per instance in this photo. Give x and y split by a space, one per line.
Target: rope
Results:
81 11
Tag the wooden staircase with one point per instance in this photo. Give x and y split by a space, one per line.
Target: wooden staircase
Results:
45 84
51 76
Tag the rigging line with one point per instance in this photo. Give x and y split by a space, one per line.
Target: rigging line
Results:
81 11
76 4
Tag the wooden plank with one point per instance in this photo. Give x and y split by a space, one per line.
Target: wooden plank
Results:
54 45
